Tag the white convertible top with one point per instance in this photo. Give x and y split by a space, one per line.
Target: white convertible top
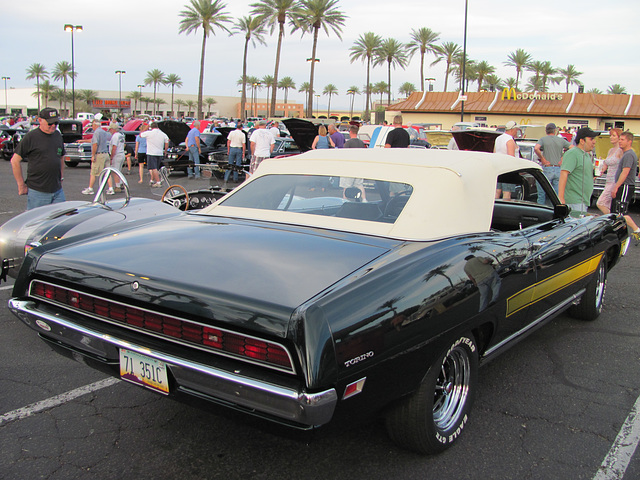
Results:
453 191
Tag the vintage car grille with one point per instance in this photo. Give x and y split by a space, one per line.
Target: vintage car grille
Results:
212 339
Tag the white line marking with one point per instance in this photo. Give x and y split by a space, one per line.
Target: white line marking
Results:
617 460
6 287
52 402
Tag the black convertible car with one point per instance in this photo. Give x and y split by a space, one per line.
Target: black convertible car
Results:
382 292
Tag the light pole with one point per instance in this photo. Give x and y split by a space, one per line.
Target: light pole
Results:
317 97
73 28
255 98
6 102
140 90
464 60
120 73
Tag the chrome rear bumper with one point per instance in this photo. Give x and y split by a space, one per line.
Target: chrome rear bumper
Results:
285 403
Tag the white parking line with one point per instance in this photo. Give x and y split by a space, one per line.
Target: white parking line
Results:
617 460
6 287
34 408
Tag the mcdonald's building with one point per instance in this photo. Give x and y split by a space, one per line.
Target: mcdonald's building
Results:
494 109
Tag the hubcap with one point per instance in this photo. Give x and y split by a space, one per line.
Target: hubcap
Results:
452 388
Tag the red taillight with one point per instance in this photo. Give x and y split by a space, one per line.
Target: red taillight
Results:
213 338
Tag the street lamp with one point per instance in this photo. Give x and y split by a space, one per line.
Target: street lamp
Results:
317 97
140 89
430 80
464 60
120 73
73 28
6 102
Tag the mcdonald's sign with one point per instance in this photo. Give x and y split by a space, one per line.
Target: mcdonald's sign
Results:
511 94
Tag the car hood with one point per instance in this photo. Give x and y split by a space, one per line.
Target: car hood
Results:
176 131
302 131
476 139
243 273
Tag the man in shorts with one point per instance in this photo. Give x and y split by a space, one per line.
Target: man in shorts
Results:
99 155
140 152
622 190
157 144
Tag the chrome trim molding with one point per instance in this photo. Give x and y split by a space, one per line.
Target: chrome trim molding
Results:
290 404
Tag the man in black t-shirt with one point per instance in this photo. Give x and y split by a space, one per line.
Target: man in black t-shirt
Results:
43 148
398 137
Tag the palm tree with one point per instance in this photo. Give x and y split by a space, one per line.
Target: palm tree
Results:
597 91
159 101
330 90
208 15
381 88
510 82
179 103
45 91
254 84
447 52
364 49
406 89
190 107
469 68
492 82
305 87
174 80
616 89
534 85
519 59
483 69
285 84
312 16
59 96
210 101
570 75
273 12
37 71
87 95
353 91
394 53
135 96
146 101
154 77
63 71
253 29
536 67
548 73
422 40
268 82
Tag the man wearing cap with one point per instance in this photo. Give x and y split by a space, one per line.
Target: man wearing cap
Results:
99 154
116 150
549 150
43 148
262 143
506 144
576 175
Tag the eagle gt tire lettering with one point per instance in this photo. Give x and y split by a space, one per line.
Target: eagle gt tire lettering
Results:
432 418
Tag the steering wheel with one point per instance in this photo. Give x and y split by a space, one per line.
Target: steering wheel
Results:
397 203
175 202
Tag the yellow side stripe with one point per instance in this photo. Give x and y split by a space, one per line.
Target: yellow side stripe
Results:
551 285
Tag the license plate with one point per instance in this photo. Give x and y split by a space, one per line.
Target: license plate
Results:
142 370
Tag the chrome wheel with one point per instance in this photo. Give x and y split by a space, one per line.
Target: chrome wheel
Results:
452 388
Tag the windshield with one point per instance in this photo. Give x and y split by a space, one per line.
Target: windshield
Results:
346 197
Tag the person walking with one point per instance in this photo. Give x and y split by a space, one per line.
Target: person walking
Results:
141 151
43 148
157 144
610 167
193 147
116 151
236 151
99 155
550 149
575 186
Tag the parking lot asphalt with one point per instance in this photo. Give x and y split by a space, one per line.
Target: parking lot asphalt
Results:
552 407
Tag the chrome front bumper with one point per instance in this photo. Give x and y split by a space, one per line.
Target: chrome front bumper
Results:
285 403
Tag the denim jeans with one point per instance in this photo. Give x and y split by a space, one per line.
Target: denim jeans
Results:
235 158
38 199
194 157
553 175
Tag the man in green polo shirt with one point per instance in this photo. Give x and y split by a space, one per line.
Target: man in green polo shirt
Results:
576 176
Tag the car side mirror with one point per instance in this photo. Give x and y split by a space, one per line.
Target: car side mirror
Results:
561 211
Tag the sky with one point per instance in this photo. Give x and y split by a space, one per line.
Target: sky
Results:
599 38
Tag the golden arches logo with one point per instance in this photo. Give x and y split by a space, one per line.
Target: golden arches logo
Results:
508 92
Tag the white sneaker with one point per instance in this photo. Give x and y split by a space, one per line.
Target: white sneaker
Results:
111 192
87 191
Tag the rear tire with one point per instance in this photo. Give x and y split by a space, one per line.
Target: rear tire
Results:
432 418
70 164
591 303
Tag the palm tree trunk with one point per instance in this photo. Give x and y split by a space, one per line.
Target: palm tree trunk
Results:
329 107
367 114
201 81
64 85
38 83
243 99
313 65
446 76
389 90
422 70
172 89
272 106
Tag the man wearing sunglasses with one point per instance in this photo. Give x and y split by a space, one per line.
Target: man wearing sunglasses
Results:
43 149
